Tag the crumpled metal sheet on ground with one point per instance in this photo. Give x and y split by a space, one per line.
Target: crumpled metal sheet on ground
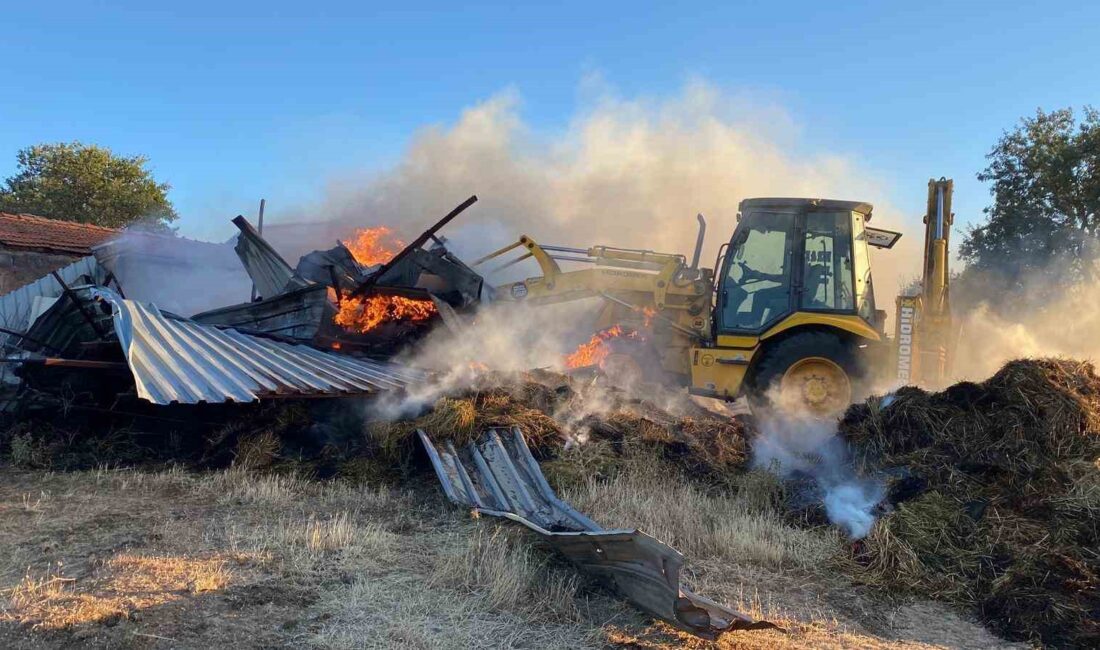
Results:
498 476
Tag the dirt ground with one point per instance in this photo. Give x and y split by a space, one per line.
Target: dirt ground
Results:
173 559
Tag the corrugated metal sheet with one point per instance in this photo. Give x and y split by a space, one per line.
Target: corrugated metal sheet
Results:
268 270
179 360
17 306
498 476
297 314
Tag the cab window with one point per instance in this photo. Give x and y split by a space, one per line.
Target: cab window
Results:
756 289
827 263
865 291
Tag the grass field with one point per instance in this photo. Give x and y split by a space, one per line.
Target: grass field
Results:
177 559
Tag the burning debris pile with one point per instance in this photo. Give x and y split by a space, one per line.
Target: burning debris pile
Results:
997 493
373 295
373 247
576 428
992 495
73 338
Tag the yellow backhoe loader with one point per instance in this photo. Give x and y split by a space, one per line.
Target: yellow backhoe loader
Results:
789 314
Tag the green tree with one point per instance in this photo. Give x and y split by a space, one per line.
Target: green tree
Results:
1045 214
88 184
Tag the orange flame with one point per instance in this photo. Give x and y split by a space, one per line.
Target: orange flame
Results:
370 247
373 246
596 350
364 314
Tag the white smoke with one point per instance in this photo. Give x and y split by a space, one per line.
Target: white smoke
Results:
512 337
798 447
850 505
1053 320
624 172
179 275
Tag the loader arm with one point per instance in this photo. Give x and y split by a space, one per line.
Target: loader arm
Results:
636 285
924 333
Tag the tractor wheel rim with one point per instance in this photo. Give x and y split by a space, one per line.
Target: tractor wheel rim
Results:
818 384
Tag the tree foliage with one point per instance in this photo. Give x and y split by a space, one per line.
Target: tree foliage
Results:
1045 213
88 184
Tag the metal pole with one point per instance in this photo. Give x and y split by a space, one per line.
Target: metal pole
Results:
939 211
260 219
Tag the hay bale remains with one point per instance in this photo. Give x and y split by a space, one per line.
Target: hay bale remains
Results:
577 433
996 497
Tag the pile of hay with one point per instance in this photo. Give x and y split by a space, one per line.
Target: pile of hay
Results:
578 429
996 492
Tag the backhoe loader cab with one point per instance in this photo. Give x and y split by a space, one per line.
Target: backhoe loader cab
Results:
794 304
790 255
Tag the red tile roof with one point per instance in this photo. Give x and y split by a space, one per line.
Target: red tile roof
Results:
28 231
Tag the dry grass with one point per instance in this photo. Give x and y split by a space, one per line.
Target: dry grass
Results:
245 560
401 612
506 573
484 588
719 527
123 584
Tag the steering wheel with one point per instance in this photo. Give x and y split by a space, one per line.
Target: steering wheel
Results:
749 274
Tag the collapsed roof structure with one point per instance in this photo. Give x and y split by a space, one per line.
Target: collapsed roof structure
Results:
287 342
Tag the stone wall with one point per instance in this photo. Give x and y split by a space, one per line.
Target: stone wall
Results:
18 267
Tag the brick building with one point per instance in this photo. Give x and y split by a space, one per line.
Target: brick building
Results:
31 247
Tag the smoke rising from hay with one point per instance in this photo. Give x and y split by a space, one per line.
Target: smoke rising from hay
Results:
808 453
512 337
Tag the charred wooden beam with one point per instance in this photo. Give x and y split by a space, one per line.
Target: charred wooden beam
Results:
69 363
373 278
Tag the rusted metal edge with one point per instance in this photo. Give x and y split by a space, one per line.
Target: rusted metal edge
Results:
498 476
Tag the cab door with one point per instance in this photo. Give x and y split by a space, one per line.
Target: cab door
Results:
825 278
755 289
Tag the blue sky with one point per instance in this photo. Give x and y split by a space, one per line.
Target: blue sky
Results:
233 101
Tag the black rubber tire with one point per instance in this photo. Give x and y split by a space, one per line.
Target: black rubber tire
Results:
782 355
